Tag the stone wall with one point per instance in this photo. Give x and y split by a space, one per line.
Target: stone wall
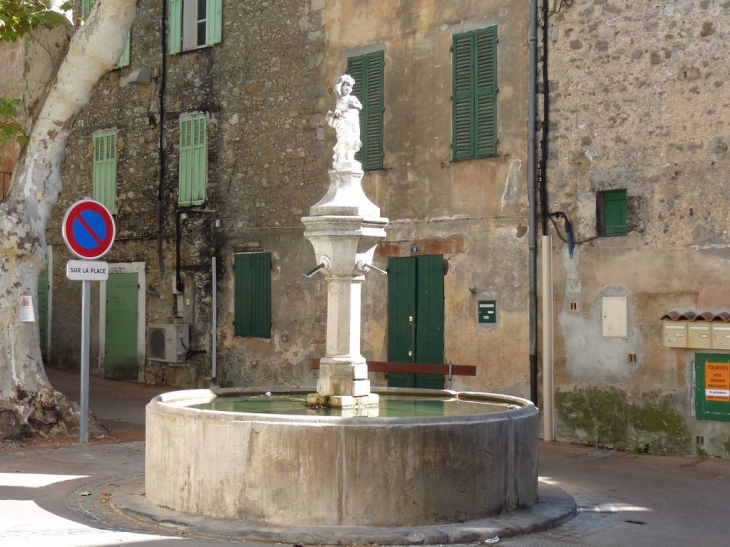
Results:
636 102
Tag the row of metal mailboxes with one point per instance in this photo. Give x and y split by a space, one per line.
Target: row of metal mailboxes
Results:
690 334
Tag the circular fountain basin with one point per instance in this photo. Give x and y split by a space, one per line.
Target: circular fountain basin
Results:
434 457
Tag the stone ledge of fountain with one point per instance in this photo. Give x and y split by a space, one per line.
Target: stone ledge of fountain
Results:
554 507
336 471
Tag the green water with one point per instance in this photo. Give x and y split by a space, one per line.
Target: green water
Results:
390 406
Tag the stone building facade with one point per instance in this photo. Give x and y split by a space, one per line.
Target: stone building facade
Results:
637 111
636 152
263 91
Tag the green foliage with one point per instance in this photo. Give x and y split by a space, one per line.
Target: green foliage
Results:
9 128
18 17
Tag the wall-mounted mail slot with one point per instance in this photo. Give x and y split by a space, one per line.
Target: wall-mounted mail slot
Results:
699 335
675 334
720 336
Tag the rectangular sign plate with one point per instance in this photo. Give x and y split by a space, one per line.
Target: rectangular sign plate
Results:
87 270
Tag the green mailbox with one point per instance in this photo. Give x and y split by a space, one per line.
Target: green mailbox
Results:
487 310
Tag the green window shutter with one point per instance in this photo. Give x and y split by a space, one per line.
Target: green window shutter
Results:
214 22
475 94
486 92
105 169
614 211
174 26
463 96
252 295
367 70
193 160
125 59
86 6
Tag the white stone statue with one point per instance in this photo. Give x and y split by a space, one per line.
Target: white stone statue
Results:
346 120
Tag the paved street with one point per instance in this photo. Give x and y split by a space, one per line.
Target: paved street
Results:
60 496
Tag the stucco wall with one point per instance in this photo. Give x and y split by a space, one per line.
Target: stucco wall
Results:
266 89
636 103
473 212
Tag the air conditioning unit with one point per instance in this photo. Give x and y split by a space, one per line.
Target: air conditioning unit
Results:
168 343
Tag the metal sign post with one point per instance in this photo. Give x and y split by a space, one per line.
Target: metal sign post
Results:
88 230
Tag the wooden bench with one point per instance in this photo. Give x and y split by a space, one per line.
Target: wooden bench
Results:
449 370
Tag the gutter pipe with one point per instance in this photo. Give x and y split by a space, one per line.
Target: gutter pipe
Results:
532 195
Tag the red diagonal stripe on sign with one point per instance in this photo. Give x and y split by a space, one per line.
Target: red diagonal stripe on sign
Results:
86 225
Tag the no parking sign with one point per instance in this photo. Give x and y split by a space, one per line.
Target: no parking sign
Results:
88 229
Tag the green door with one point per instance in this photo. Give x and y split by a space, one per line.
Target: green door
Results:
120 357
416 318
43 313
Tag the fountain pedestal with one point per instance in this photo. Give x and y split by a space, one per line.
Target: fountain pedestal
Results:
344 227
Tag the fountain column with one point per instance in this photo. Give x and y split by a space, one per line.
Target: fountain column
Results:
344 227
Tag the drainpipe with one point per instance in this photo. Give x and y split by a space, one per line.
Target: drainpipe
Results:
161 151
532 191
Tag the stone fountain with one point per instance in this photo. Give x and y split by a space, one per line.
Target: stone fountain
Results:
344 228
352 464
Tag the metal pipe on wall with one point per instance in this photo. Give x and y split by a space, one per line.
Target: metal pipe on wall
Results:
547 339
214 337
532 196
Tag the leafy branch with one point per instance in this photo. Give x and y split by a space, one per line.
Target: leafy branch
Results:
18 17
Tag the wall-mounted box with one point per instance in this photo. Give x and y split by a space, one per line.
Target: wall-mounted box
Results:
487 311
699 335
675 334
720 336
615 323
712 386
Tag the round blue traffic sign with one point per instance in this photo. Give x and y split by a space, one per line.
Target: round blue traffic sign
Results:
88 229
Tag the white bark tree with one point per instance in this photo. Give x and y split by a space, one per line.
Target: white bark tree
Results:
27 399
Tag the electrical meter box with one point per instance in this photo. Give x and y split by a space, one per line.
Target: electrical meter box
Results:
675 334
699 336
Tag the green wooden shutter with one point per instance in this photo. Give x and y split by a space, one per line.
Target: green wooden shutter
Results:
86 6
367 70
475 94
463 96
174 26
614 210
193 160
125 59
486 92
105 169
214 22
252 295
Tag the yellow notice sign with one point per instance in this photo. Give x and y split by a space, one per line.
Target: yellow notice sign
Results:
717 382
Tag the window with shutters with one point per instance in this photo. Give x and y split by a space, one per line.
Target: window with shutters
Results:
474 108
194 24
612 213
125 59
193 168
252 294
367 70
105 169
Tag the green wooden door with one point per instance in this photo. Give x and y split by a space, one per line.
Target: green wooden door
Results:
416 318
120 357
43 313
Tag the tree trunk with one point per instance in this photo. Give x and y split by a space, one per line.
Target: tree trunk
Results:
28 403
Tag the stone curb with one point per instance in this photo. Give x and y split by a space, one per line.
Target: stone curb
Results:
554 507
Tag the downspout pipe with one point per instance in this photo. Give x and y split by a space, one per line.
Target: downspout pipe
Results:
161 145
532 191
